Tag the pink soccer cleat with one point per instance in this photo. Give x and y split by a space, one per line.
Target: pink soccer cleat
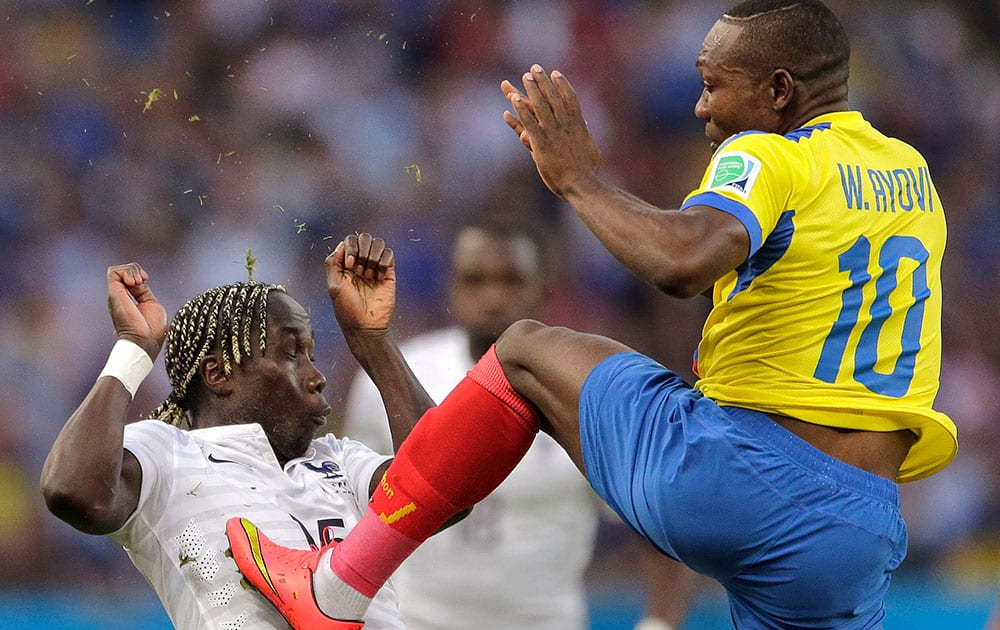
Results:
282 575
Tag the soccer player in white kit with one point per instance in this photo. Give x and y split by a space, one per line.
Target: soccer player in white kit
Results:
518 560
234 437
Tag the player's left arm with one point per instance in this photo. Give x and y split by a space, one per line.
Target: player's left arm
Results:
361 279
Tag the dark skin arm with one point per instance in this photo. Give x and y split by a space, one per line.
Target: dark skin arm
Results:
89 480
364 262
361 278
681 253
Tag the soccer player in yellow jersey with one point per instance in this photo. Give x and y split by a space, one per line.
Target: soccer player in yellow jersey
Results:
821 241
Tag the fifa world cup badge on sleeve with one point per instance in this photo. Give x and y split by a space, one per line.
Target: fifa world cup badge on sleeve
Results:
735 171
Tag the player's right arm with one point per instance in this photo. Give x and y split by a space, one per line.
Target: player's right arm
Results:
89 480
681 253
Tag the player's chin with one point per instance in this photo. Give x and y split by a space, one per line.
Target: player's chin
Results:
318 411
294 446
319 420
715 136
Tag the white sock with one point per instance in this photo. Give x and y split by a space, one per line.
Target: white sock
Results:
653 623
335 597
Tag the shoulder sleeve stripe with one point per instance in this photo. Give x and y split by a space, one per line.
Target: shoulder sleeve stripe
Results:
735 208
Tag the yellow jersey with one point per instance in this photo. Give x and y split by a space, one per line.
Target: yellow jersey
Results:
835 316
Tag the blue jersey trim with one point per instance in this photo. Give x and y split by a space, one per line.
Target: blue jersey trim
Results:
794 134
770 252
805 132
735 208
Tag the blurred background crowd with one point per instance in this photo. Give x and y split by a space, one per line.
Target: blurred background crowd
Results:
191 136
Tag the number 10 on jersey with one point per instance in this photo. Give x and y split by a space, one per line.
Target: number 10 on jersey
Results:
855 262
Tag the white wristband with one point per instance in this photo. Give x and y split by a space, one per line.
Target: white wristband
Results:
129 364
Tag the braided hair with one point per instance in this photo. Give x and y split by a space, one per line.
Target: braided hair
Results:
220 318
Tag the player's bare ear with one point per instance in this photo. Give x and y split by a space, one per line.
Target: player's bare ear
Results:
213 375
782 89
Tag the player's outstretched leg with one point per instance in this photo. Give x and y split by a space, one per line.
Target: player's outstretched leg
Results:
282 575
458 453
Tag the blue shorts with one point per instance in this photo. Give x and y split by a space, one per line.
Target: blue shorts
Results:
799 539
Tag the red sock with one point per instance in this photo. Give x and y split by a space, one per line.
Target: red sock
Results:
458 453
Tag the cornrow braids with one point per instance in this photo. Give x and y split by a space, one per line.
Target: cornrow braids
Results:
218 318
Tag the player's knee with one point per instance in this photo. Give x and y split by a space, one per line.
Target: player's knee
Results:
514 344
514 347
521 329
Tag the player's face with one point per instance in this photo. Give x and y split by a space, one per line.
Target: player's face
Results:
495 281
282 390
731 100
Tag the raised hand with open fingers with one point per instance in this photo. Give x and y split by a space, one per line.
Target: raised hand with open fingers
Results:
136 313
548 121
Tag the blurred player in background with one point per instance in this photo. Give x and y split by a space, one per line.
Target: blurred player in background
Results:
540 523
234 437
541 532
821 240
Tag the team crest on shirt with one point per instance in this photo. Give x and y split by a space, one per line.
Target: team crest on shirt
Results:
328 469
735 171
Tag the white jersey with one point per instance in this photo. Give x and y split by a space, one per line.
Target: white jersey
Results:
194 481
518 560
